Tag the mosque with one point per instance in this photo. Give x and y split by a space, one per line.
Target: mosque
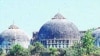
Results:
57 33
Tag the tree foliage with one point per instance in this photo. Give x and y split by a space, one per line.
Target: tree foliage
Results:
1 52
88 42
38 48
17 50
83 48
54 51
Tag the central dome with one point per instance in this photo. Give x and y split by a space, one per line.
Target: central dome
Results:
58 28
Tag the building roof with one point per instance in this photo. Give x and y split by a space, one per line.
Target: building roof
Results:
58 16
13 27
96 33
14 33
58 27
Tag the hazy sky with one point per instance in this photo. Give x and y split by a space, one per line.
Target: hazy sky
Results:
30 15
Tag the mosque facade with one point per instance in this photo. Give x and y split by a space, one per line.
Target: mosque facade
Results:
57 33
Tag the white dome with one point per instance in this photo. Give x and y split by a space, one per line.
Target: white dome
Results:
16 36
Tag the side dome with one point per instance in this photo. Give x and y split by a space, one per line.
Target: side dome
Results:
58 28
96 35
14 35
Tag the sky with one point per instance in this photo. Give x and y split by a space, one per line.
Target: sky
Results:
30 15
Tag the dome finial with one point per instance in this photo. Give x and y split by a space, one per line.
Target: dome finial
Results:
58 16
13 27
13 21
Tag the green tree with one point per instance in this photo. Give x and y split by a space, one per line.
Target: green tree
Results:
62 52
69 52
96 51
54 52
88 42
1 52
83 48
38 48
18 50
78 49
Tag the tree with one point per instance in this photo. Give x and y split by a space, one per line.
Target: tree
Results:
18 50
78 49
88 42
85 47
54 51
69 52
96 52
62 52
38 48
1 52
